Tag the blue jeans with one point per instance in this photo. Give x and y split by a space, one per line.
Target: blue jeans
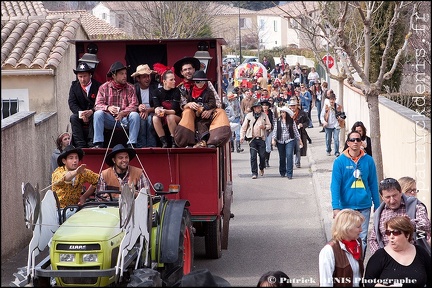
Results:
268 143
318 106
365 227
257 146
329 133
102 120
146 135
286 152
237 131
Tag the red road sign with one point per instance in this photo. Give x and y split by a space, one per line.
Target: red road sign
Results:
330 60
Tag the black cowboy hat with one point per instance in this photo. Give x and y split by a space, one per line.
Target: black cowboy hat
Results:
82 67
178 65
256 104
199 75
265 102
202 278
116 66
69 150
117 149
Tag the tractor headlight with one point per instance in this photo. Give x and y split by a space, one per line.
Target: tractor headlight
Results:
90 258
67 257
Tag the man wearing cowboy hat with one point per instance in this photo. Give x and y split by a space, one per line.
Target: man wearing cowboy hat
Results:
301 119
68 179
145 92
82 96
254 128
120 172
116 104
219 131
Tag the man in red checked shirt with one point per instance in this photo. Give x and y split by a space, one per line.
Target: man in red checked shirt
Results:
116 104
82 96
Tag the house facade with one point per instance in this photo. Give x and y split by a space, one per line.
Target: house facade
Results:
267 29
37 61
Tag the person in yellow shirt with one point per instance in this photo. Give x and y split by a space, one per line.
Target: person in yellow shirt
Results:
69 178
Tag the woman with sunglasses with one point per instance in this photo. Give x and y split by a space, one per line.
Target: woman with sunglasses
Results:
340 260
408 185
399 263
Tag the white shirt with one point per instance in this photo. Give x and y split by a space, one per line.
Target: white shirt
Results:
327 266
145 96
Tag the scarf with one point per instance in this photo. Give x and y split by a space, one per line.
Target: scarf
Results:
187 85
353 247
196 92
117 86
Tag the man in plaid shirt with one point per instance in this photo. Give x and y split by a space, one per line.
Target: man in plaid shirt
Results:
116 104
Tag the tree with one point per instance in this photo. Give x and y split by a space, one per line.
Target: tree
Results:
169 19
346 27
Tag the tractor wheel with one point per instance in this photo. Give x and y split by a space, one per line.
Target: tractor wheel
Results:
173 272
213 239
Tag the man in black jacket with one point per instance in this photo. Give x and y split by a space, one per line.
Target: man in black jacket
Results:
82 96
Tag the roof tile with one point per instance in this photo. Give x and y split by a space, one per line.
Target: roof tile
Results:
33 37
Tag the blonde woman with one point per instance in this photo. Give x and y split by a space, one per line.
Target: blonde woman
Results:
408 185
341 259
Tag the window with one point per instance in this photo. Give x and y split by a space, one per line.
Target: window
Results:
121 21
104 16
262 24
275 26
9 107
242 23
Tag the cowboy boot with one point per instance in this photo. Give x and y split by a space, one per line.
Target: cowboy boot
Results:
232 145
164 142
239 149
173 145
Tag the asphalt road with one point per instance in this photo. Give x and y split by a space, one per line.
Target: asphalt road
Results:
276 226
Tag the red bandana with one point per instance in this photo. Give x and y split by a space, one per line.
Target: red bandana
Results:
117 86
196 92
187 85
353 247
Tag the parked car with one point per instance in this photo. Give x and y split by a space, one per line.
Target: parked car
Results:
234 61
249 59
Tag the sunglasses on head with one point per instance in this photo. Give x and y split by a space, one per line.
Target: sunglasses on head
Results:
394 232
354 140
388 180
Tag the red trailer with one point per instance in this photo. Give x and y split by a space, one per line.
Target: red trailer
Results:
204 174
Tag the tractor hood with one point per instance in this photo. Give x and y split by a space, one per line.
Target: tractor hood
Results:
90 224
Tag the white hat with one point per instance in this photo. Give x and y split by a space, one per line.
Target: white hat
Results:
287 110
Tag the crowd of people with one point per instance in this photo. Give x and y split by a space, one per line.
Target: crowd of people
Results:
272 118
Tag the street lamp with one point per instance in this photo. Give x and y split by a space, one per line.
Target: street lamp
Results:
239 22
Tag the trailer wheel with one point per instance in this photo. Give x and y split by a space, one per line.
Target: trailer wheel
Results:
173 272
213 239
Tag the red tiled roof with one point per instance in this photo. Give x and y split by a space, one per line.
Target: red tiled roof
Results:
34 38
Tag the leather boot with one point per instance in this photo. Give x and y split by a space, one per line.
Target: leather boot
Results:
164 142
173 145
239 149
232 145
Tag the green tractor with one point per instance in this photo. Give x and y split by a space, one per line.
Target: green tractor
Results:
135 241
